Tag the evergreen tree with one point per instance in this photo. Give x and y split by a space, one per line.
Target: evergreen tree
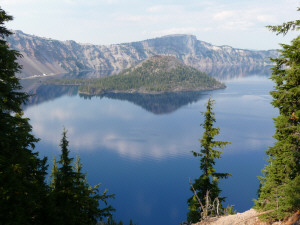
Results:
206 186
280 185
88 198
22 187
74 200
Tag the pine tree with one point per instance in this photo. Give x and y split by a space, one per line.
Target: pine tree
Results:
280 184
74 200
206 186
22 187
88 198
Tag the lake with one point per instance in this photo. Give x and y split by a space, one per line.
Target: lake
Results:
139 146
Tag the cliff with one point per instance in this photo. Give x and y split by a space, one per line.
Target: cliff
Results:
48 56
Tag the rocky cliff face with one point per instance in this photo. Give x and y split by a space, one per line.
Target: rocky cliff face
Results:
48 56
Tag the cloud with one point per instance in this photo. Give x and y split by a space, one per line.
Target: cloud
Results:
130 143
156 9
129 18
237 25
91 2
140 19
175 30
165 8
58 3
266 18
126 146
224 15
94 140
59 115
18 2
242 19
118 21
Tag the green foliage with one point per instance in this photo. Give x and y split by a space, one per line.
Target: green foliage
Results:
206 186
53 174
74 200
110 221
285 27
279 187
229 210
23 190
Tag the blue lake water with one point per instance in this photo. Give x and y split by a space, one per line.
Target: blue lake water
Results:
139 146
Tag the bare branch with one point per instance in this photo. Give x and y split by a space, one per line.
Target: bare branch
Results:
195 193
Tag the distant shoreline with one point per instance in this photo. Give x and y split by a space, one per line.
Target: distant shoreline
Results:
149 92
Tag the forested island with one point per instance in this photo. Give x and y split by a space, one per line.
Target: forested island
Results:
157 74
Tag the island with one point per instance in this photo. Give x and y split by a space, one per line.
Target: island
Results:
156 75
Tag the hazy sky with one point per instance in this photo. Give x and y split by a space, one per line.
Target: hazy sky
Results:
238 23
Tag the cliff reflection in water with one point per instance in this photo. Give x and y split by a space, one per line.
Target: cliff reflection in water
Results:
157 104
42 93
224 73
218 72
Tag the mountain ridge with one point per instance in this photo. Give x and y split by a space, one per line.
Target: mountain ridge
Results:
49 56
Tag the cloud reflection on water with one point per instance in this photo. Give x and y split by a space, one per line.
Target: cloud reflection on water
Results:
139 155
128 130
107 125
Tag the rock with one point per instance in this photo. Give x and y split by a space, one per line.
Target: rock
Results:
249 217
48 56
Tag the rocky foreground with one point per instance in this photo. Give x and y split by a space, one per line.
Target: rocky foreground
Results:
249 217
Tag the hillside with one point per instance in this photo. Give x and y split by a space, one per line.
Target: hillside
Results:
48 56
155 75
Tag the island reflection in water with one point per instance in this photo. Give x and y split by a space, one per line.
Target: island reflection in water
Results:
106 109
144 158
157 104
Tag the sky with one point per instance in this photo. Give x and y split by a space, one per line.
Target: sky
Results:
237 23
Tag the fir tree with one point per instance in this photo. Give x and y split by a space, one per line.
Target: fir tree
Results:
206 186
74 200
22 187
280 184
89 199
